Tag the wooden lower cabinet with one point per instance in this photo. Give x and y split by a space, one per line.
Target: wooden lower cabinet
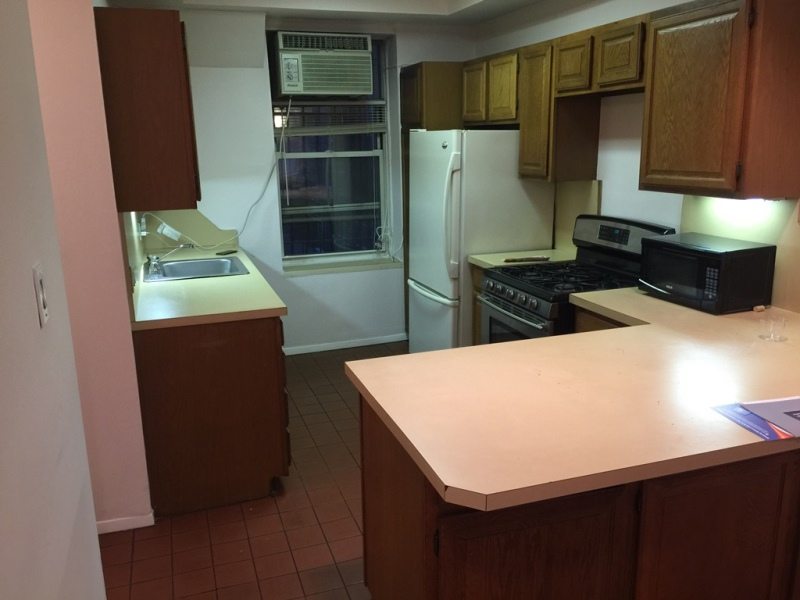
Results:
582 546
724 532
214 412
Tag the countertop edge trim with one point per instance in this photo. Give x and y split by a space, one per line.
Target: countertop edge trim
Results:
208 319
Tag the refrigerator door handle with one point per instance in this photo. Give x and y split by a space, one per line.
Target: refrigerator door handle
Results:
413 285
450 253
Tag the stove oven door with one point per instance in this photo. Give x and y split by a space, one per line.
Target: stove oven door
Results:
504 322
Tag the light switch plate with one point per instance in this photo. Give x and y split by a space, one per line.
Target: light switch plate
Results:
41 295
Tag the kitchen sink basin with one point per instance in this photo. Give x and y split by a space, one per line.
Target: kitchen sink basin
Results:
170 270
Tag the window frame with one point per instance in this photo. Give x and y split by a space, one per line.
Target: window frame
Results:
357 258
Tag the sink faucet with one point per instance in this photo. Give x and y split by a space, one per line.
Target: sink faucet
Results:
153 266
154 261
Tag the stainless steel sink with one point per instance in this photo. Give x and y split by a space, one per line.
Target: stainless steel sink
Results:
170 270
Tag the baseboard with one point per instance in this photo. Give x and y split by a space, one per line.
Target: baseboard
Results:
386 339
125 523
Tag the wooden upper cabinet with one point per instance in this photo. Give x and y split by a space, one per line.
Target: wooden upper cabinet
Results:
148 105
603 59
490 89
474 91
503 87
534 109
430 95
411 95
618 55
721 113
573 63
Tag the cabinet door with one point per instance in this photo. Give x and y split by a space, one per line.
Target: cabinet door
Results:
580 546
213 412
148 108
534 109
725 532
474 91
618 55
503 87
411 96
573 63
694 101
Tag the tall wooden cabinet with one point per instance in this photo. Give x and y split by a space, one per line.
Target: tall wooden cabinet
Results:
534 109
214 412
148 106
721 112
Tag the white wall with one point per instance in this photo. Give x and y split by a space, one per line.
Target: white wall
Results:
548 19
618 156
233 122
49 544
68 75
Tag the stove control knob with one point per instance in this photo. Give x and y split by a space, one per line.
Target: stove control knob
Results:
510 294
490 285
498 288
533 303
522 299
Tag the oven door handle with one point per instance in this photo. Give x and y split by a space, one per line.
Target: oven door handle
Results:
485 301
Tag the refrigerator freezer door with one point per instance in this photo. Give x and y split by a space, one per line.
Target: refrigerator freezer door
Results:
434 210
432 319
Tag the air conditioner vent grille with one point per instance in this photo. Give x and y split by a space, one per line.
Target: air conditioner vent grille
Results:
310 119
324 41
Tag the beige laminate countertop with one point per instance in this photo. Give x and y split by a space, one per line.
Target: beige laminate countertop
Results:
506 424
498 259
160 304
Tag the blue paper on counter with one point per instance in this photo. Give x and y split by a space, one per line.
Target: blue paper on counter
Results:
752 422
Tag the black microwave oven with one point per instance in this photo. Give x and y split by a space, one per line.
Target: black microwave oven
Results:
713 274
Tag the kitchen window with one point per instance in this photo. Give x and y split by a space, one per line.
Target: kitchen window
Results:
332 176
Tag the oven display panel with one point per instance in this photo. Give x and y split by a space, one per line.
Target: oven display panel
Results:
616 235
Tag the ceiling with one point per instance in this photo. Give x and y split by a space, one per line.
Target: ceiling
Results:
445 11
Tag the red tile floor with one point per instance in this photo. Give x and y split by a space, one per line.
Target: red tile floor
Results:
305 543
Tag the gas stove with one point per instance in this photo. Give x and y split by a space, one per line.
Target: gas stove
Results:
554 282
536 296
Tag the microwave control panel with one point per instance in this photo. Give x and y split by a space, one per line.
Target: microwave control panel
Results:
712 283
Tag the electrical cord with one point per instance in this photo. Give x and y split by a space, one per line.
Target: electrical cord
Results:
258 199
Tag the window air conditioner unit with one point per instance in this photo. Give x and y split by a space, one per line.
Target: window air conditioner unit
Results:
326 64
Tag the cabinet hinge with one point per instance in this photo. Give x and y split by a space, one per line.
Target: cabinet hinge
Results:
436 543
738 171
751 16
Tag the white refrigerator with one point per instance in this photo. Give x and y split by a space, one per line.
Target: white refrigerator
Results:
465 197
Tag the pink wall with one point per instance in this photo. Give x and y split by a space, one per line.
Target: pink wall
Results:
49 543
67 70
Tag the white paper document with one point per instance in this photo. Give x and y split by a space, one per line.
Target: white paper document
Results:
783 412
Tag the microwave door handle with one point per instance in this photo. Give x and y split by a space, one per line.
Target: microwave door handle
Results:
654 287
484 300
